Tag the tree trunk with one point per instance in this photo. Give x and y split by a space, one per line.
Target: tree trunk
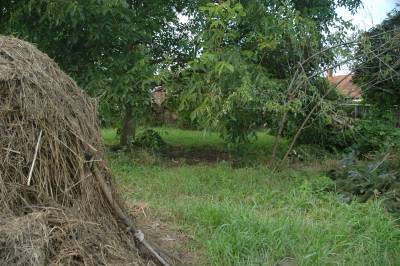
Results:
285 114
128 127
276 142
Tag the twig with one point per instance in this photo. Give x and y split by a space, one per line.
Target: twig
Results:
34 158
10 150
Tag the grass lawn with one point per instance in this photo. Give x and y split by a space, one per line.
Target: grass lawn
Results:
203 144
254 215
190 138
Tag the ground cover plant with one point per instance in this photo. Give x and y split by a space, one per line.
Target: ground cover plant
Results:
376 177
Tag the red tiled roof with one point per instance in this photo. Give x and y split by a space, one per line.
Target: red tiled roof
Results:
346 86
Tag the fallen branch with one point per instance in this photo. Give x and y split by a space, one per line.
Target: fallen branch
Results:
381 162
138 234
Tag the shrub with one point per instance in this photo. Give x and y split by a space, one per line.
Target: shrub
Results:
150 139
375 135
371 134
377 178
331 136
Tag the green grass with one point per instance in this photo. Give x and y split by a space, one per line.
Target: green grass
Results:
109 136
190 138
257 216
191 141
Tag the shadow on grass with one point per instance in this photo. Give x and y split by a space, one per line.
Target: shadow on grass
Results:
200 147
196 155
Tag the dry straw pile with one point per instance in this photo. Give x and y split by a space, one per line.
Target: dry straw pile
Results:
54 178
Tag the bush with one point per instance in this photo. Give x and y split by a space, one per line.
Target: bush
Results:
377 178
329 125
371 134
330 136
375 135
150 139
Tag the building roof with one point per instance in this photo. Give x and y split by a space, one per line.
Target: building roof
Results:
346 86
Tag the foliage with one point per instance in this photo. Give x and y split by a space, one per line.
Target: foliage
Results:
150 139
220 92
377 178
112 48
329 126
377 72
375 134
331 136
377 68
243 54
80 34
131 86
250 51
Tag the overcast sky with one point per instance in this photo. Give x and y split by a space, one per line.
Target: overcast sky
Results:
373 13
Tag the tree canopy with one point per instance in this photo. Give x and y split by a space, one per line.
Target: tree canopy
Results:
233 63
251 50
110 47
377 68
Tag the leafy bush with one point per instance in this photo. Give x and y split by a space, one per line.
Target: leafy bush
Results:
150 139
371 134
374 135
327 123
376 178
331 136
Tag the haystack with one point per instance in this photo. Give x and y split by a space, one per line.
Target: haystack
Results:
58 202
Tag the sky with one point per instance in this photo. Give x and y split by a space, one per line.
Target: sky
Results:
373 12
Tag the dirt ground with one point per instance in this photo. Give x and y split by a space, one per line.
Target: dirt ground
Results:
196 155
171 240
